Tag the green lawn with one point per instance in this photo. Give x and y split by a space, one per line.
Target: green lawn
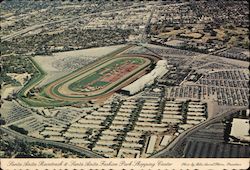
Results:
81 83
100 84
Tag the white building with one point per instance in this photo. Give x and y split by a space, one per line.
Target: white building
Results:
192 122
101 113
117 122
195 114
198 118
151 144
148 79
166 139
149 111
149 128
172 108
171 121
79 141
77 130
108 138
136 153
151 104
172 116
134 133
54 128
105 143
85 121
110 132
50 133
103 149
185 126
56 138
132 139
131 145
240 129
172 112
74 135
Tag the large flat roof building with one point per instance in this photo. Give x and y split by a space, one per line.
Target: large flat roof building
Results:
151 144
240 129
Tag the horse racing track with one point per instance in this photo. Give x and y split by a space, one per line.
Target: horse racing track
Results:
98 80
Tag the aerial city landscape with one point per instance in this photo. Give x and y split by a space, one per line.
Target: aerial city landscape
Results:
124 79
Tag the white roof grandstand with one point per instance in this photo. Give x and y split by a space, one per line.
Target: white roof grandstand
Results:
148 79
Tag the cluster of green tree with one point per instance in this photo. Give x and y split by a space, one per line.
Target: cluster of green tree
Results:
20 149
69 39
18 129
2 121
13 147
4 78
14 64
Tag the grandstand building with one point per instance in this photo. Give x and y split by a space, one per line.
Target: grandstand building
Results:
160 70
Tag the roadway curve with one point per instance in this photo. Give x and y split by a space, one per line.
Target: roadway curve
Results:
66 146
177 142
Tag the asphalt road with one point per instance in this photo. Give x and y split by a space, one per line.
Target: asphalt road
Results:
53 143
180 139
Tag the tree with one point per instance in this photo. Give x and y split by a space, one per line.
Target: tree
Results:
18 129
245 42
2 122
